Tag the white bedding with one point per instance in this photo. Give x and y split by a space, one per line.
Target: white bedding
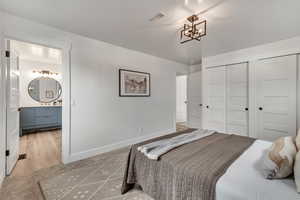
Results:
244 179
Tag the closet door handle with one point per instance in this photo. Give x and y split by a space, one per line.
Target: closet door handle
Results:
246 109
260 108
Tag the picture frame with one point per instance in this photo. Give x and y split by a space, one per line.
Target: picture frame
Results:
134 83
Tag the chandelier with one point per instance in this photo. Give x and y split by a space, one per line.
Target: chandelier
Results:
193 31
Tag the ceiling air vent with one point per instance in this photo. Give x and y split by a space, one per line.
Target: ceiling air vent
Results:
157 17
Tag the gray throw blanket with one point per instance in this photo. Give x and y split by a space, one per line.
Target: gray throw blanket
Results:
155 149
188 172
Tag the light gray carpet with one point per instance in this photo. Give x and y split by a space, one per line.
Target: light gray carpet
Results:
100 180
27 188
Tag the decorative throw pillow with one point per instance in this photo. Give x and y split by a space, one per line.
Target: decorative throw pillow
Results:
297 140
279 160
297 171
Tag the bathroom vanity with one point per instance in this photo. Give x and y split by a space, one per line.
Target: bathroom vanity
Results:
46 114
35 119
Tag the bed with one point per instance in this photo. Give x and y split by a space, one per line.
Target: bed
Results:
234 175
244 180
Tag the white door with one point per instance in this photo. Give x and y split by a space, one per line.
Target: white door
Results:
12 107
237 99
181 98
215 98
194 101
276 97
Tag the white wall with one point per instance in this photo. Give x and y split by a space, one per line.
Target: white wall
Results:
195 68
100 120
34 57
27 75
112 119
283 47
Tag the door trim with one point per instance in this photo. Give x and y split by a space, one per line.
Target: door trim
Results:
66 48
225 65
290 54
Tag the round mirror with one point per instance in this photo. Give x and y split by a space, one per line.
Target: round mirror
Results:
44 89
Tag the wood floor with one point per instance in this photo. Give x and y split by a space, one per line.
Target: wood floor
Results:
43 150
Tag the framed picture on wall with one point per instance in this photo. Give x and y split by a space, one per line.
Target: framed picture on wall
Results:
134 83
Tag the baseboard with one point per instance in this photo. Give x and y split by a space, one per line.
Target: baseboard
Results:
96 151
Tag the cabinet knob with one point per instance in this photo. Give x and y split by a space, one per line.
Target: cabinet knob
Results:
246 109
207 106
260 108
200 104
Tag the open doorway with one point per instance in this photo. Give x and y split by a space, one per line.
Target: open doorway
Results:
33 107
181 102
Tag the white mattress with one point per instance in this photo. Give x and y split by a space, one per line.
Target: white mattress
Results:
244 179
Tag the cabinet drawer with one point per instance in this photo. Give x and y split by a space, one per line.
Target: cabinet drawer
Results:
46 119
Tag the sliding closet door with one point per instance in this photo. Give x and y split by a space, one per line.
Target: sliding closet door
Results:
237 99
215 98
276 97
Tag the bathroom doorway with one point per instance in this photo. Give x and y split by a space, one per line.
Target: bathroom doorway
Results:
181 101
33 107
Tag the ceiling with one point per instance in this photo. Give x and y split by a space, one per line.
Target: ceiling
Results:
232 24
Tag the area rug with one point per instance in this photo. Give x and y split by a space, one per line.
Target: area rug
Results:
99 180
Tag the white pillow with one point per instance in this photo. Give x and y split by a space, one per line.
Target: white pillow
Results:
279 160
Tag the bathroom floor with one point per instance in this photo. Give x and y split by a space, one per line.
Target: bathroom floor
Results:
42 150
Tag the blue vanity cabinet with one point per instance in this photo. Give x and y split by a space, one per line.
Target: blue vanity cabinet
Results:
33 119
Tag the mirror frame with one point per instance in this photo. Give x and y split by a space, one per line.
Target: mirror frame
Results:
59 94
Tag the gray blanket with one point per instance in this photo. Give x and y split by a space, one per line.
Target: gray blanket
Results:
188 172
155 149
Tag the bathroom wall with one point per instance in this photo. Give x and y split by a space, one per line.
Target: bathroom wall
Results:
35 58
27 75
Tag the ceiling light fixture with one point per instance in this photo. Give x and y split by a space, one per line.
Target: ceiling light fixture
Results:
193 31
45 73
